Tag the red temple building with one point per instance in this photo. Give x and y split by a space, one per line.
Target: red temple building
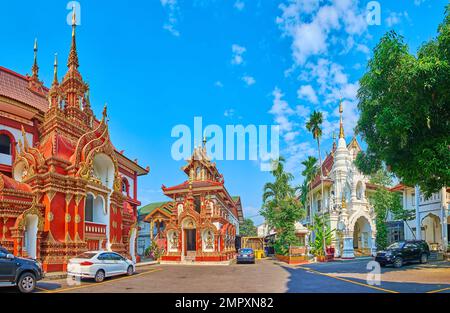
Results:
201 222
64 188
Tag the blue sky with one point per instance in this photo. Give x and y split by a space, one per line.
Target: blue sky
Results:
159 63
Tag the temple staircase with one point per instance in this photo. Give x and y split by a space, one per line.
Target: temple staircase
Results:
190 257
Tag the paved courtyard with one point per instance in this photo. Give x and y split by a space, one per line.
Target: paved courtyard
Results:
266 276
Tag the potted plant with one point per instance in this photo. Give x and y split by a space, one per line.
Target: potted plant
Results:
154 251
321 232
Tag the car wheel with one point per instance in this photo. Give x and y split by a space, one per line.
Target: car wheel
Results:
398 262
130 270
424 258
26 283
99 276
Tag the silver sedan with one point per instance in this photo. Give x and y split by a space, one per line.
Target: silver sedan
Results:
99 264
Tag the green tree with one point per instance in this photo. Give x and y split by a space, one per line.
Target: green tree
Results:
309 173
248 228
386 203
323 236
281 208
405 113
314 125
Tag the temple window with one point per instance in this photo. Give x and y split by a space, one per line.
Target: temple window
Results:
89 209
197 204
125 187
95 210
5 144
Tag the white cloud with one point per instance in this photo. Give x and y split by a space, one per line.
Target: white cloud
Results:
237 54
281 111
312 27
395 18
307 92
249 80
239 5
418 2
363 48
173 11
218 84
302 111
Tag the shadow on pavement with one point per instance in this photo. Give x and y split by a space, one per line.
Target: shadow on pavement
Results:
303 281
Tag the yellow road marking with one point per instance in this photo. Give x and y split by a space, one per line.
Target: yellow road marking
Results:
438 290
348 280
104 282
39 288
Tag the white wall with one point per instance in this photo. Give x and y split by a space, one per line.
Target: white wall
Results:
131 182
17 133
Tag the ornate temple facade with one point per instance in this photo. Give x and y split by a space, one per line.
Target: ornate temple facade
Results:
345 200
201 222
64 188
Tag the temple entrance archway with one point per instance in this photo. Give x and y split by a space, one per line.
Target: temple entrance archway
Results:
362 237
432 231
189 239
30 235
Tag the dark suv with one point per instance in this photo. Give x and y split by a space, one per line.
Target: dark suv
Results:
20 272
403 252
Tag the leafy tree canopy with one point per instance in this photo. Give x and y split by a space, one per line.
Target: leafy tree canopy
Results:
404 102
248 228
281 208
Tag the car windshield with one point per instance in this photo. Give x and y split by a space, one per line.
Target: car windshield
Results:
246 251
396 245
86 255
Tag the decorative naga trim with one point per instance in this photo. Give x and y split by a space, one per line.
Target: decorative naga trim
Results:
33 210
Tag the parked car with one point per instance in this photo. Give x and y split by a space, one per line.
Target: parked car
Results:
20 272
98 265
403 252
246 255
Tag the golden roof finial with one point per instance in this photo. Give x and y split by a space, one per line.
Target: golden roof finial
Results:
55 70
73 55
341 124
74 18
105 112
35 68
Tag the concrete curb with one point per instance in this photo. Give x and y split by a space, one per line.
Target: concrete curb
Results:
146 263
55 276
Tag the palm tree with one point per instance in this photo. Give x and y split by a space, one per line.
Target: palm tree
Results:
281 208
309 173
280 189
314 125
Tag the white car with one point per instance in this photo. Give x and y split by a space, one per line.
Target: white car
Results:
99 264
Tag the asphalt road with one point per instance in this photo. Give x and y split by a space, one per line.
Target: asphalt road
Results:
265 276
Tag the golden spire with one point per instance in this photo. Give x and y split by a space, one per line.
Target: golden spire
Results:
341 124
55 70
334 140
73 55
35 67
105 113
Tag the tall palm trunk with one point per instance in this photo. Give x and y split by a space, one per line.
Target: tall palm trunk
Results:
321 196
